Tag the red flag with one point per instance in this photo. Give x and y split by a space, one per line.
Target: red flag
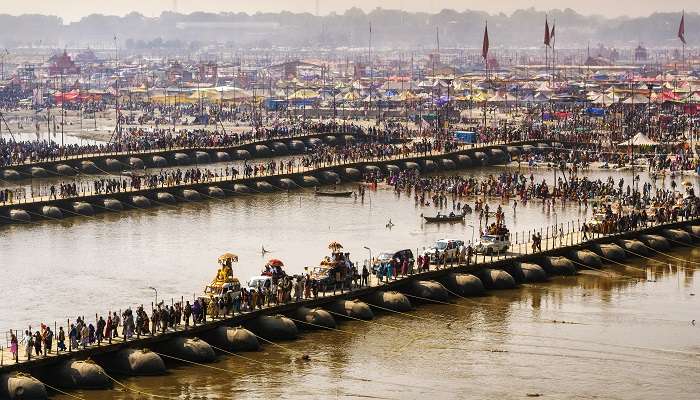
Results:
547 38
551 35
681 29
485 46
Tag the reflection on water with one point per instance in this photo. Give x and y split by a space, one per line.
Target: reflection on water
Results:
594 335
590 336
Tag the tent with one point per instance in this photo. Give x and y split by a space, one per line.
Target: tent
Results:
304 94
638 139
636 99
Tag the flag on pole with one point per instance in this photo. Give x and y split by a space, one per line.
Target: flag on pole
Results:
551 34
485 46
681 29
547 38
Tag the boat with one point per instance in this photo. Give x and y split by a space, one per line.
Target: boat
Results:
445 218
333 194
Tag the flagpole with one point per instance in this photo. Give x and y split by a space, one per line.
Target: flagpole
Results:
546 45
485 54
554 57
684 67
681 36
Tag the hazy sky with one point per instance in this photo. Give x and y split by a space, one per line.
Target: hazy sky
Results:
72 10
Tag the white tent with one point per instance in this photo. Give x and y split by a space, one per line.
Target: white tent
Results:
639 139
636 99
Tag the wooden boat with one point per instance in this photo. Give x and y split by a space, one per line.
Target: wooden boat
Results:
445 218
333 194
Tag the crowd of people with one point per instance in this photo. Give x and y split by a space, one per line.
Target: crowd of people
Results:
138 139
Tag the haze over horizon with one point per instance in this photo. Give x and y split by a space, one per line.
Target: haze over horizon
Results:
74 10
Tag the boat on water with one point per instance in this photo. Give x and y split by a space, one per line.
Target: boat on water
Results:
445 218
333 194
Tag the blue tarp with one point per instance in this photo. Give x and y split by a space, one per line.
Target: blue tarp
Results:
274 104
595 112
465 137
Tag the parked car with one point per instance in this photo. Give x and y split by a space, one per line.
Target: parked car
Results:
386 256
258 281
597 223
448 247
493 244
325 275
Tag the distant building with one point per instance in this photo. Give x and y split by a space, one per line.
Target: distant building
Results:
598 62
62 64
208 72
641 54
87 57
177 72
359 70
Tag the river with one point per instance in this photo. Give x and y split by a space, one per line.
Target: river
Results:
505 345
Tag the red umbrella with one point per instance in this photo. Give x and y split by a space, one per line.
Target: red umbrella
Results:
275 263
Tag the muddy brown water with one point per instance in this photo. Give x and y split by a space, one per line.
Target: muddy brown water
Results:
613 338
